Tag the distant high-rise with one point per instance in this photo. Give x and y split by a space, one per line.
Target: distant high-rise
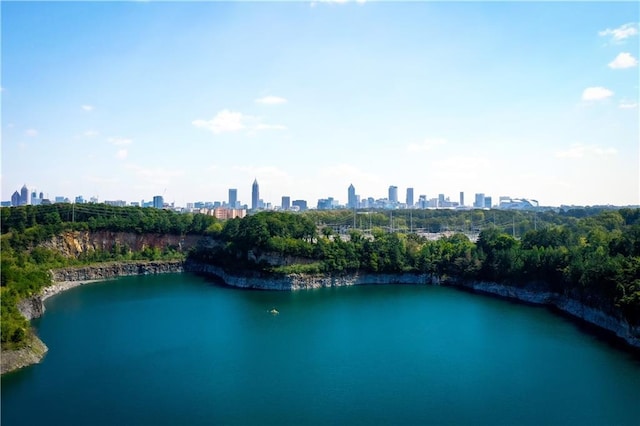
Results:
15 199
41 195
286 203
255 195
300 204
24 195
479 204
393 194
487 202
352 202
158 202
461 198
233 197
409 197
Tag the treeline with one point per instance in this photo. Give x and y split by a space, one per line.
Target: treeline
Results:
104 217
514 222
594 259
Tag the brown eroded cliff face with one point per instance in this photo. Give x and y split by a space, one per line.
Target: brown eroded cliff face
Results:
73 243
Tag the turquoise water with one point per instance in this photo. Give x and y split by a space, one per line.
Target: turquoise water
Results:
178 349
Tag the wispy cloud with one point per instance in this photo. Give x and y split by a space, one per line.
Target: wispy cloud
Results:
627 105
579 150
87 107
230 121
596 93
31 132
225 121
271 100
623 60
426 145
118 141
90 134
122 154
263 126
621 33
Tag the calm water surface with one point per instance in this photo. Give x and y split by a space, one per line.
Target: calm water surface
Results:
178 349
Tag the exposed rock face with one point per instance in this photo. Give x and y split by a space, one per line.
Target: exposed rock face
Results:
116 269
19 358
73 243
303 281
31 307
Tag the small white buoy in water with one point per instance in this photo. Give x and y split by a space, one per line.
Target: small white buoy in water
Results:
274 311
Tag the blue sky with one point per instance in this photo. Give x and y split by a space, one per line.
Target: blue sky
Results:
127 100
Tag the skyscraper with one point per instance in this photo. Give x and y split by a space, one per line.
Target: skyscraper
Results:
409 197
15 199
286 203
158 202
255 195
461 198
393 194
24 195
233 197
352 202
479 204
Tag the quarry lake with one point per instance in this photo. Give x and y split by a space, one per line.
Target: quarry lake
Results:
179 349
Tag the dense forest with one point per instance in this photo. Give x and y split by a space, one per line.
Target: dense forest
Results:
591 255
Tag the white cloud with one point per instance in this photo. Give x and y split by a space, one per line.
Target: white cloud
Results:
271 100
87 107
623 60
119 141
627 105
230 121
622 32
426 145
224 121
579 150
596 93
31 132
90 133
122 154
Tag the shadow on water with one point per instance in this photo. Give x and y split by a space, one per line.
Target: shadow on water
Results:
600 334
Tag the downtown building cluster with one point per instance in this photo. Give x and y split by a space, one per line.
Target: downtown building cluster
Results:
233 207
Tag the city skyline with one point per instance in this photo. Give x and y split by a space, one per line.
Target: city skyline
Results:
190 100
29 195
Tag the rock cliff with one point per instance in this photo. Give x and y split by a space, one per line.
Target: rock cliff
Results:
73 243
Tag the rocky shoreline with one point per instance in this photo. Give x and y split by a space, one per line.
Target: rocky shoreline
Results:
65 279
610 324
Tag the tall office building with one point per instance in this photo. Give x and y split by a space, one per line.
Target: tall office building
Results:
409 197
352 202
24 195
233 197
479 204
158 202
461 198
286 203
393 194
255 195
15 199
